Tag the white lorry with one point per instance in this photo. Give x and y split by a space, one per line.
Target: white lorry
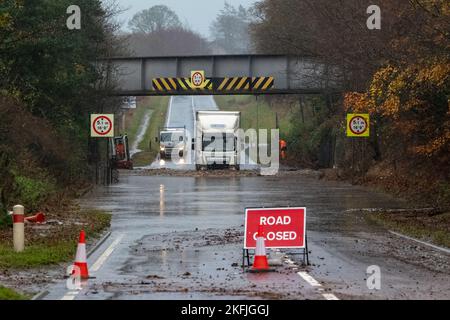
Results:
216 139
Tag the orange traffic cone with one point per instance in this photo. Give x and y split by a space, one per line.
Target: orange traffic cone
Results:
260 263
80 259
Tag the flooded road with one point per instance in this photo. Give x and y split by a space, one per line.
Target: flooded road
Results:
182 238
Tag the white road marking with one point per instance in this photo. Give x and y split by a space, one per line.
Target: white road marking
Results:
313 282
290 261
330 296
101 260
421 242
71 295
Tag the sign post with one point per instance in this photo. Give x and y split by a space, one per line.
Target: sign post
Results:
102 126
283 228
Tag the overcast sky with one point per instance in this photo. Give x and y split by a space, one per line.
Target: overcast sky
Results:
197 14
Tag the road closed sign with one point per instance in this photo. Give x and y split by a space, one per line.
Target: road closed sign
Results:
358 125
102 125
282 227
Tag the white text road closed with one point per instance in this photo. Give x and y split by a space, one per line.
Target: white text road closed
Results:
282 227
280 235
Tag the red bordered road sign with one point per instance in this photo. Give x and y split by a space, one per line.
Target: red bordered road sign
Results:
102 125
358 125
197 79
282 227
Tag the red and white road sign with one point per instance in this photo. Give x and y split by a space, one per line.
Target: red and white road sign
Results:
358 125
282 227
197 79
102 125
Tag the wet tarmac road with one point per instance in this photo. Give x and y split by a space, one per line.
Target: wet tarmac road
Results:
181 237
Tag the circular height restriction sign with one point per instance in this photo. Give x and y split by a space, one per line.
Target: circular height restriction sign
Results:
358 125
102 125
197 79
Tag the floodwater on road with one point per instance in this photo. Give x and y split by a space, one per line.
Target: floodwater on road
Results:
182 237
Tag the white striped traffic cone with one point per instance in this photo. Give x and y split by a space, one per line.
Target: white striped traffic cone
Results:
80 259
260 263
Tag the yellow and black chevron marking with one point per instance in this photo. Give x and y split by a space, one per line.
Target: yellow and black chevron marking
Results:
178 84
215 84
262 83
243 84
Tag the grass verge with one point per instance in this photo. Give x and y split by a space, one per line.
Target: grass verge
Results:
256 113
434 228
134 123
159 105
54 244
149 147
8 294
144 158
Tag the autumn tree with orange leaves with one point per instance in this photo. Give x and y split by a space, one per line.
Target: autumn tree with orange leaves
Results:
399 74
410 95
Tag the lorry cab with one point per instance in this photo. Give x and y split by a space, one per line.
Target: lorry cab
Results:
173 142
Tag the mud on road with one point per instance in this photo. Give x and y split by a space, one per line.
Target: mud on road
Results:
183 239
200 263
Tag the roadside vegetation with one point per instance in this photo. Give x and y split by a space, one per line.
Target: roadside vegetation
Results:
257 112
134 118
9 294
434 228
54 242
150 148
48 88
399 75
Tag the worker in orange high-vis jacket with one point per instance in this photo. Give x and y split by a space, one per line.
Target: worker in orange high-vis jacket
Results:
283 148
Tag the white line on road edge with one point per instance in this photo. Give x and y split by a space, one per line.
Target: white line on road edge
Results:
97 265
289 261
313 282
101 260
70 295
330 296
421 242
